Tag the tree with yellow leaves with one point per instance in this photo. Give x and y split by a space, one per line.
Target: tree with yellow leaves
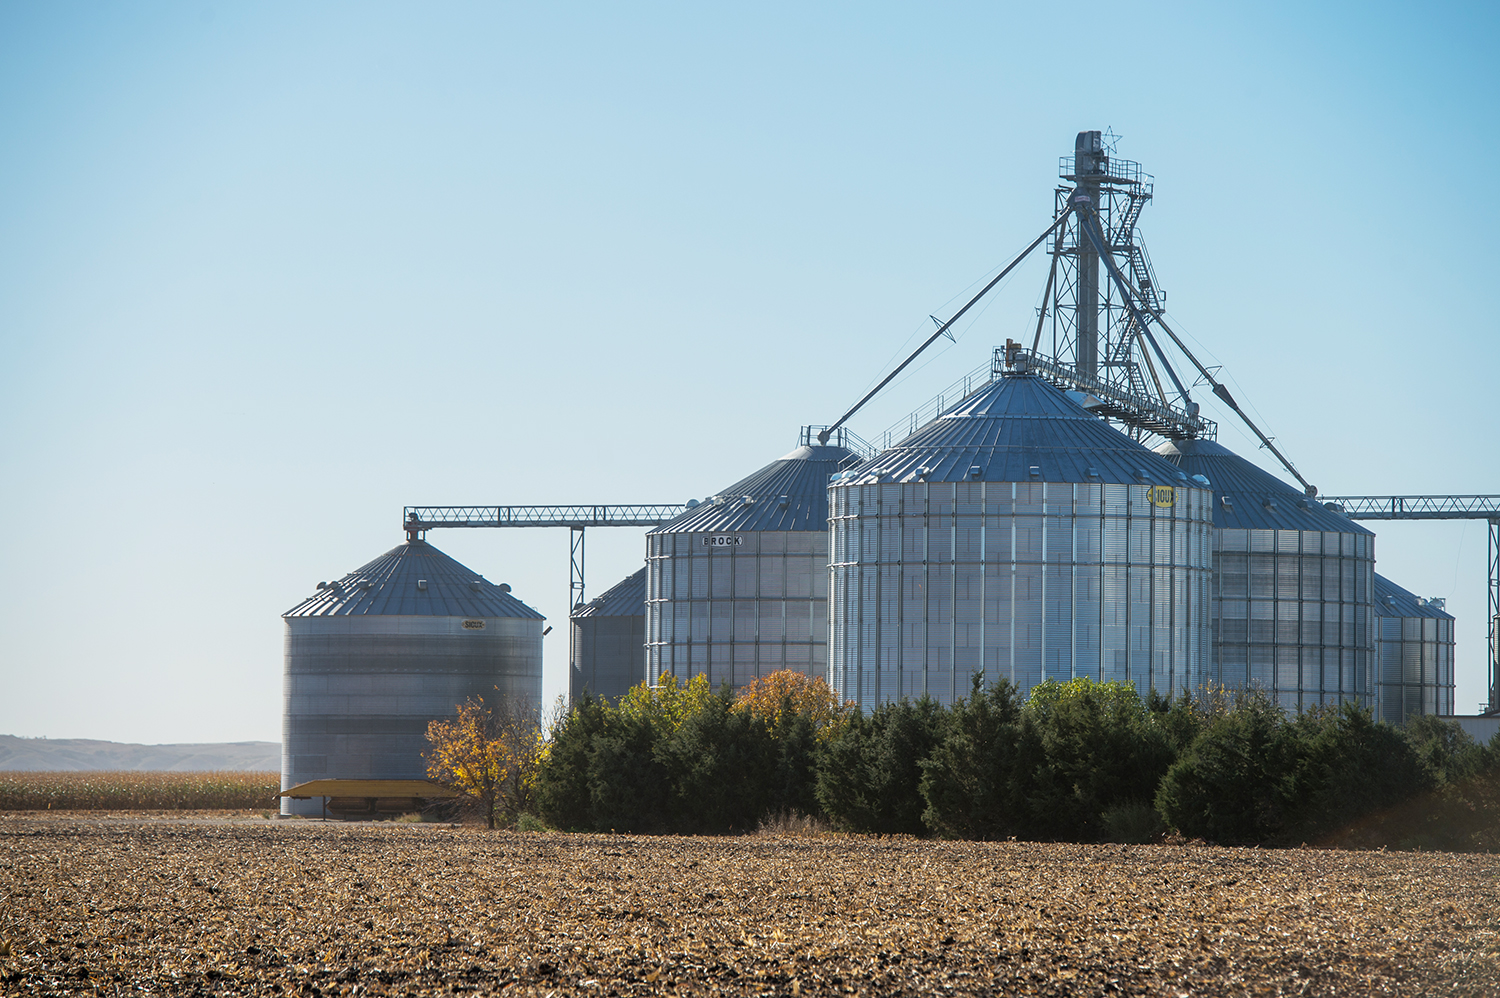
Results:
491 754
785 693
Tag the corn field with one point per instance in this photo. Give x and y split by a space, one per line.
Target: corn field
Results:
131 790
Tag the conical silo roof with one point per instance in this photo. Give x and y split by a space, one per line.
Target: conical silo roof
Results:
413 579
1257 499
626 598
1018 429
1393 601
790 493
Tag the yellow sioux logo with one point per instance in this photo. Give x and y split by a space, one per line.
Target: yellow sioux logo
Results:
1163 495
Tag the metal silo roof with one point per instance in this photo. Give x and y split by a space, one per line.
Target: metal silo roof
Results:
790 493
1018 429
626 598
413 579
1258 500
1393 601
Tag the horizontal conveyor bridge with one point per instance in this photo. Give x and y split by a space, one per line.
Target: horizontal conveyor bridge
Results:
1445 508
417 520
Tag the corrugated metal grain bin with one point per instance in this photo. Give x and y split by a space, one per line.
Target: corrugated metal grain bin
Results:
1020 535
373 657
1293 604
609 641
1414 652
737 587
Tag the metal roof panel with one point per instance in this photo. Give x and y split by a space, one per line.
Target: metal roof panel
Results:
790 493
626 598
1019 429
389 586
1258 500
1393 601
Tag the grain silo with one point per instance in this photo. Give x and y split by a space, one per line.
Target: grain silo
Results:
373 657
1413 652
1020 535
1293 585
737 587
609 641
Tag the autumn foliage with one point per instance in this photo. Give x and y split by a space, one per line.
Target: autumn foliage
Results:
685 757
491 754
785 694
1078 761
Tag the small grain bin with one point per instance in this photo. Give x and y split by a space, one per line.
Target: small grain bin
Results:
372 657
1414 654
609 641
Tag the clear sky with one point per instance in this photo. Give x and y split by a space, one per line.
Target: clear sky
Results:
272 271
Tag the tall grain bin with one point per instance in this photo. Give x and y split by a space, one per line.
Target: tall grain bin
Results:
376 655
1293 604
1414 652
1020 535
609 641
737 587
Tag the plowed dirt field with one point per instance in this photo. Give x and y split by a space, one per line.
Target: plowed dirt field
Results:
118 905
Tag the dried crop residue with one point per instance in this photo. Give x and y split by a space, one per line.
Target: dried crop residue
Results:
104 905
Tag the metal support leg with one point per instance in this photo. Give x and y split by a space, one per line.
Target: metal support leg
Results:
1492 613
575 569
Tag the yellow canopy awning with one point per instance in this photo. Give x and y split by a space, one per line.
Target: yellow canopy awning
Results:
370 788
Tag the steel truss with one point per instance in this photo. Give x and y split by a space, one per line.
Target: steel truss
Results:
1093 328
417 520
1446 508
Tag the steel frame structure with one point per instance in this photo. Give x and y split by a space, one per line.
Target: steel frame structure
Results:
1093 329
417 520
1447 508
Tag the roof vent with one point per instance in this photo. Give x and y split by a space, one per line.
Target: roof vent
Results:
691 503
1093 472
1182 476
975 471
1333 507
366 584
1302 504
322 585
1228 502
1202 481
475 584
782 502
421 585
1140 473
1437 602
1390 601
1269 504
748 500
923 472
1036 471
505 587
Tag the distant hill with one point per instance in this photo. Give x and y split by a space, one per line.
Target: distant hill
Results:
34 754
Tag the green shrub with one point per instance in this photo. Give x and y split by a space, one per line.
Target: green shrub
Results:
869 775
1230 784
970 780
1344 766
531 823
1087 747
1133 823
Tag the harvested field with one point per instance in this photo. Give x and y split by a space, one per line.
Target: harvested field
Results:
107 904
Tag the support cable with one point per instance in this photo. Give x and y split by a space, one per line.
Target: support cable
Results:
823 435
1220 390
1047 293
1100 248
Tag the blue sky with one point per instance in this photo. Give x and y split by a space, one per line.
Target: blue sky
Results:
273 271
